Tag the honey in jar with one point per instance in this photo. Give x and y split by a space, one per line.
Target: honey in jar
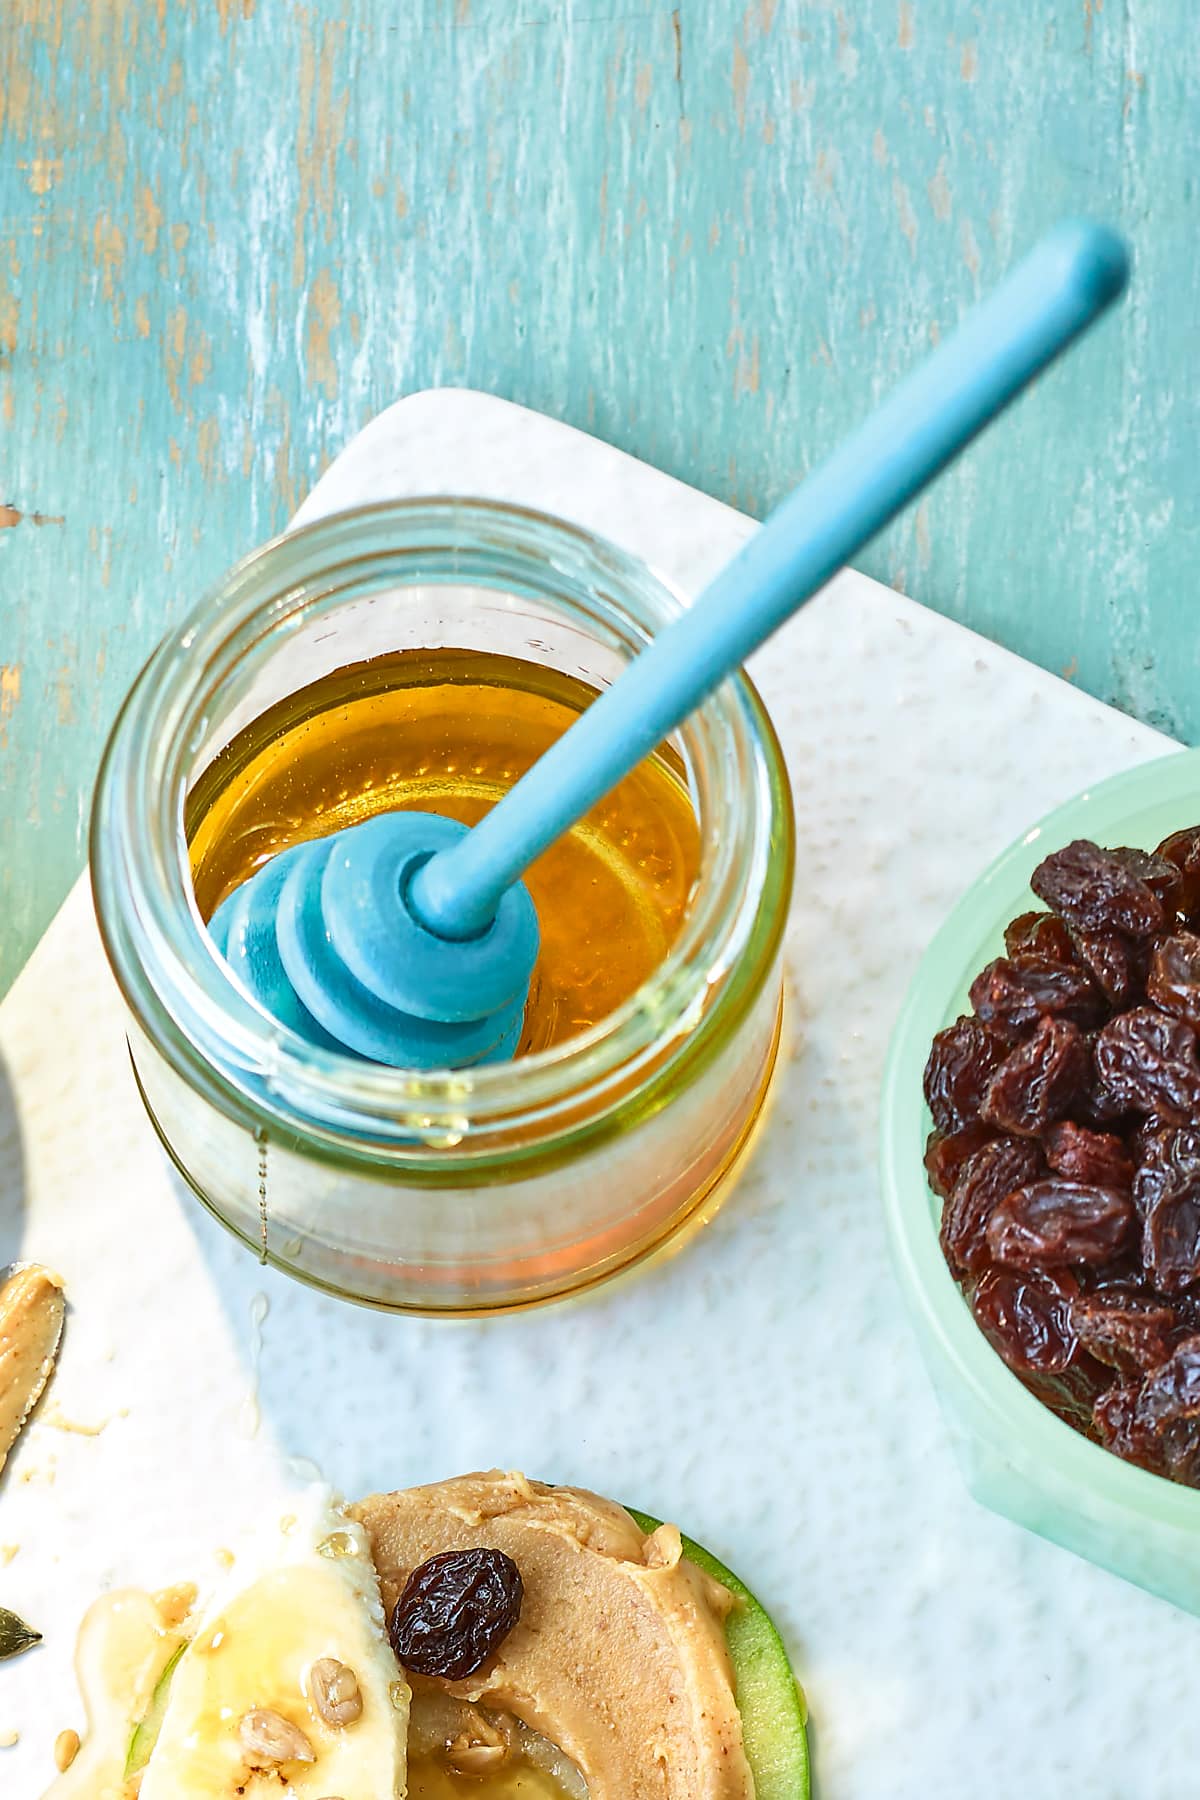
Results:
449 731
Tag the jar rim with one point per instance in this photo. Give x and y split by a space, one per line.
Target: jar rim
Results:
179 987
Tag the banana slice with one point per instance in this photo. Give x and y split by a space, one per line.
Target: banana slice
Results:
122 1658
289 1684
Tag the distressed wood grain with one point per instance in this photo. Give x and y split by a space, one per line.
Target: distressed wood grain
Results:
231 230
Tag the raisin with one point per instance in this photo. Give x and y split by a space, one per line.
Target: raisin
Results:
1148 1063
1038 1081
1174 980
1166 1193
1183 849
1130 1330
1187 1306
1123 1272
1100 1109
1181 1452
960 1065
1171 1239
986 1178
1097 1157
946 1153
1072 1394
1116 962
1170 1161
1171 1394
1039 934
455 1612
1027 1320
1159 873
1142 1134
1014 992
1114 1419
1056 1223
1105 890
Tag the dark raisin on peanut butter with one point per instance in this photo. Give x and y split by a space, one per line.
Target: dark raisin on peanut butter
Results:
455 1612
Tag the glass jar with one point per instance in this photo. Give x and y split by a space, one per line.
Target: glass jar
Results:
480 1189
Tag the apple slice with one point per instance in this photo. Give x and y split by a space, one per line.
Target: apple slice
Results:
146 1730
770 1699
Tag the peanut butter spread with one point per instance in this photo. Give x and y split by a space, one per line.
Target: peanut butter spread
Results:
31 1321
619 1657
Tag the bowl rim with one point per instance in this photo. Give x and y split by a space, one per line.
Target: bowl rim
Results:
1014 1420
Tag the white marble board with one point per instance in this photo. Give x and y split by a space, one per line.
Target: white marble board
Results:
762 1387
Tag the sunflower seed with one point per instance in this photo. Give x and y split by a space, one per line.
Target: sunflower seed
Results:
15 1635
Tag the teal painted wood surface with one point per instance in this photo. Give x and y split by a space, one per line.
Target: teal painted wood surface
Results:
232 230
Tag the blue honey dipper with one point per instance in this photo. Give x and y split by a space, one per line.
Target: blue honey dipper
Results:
410 939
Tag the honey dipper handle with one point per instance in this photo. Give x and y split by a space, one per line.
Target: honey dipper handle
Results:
1054 295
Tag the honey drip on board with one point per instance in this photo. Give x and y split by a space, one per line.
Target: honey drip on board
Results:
449 731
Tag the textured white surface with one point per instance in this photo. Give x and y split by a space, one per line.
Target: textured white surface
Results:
762 1387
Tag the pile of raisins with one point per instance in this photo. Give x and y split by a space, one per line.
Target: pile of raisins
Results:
1066 1148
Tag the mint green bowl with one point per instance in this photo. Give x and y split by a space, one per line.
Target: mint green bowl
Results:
1016 1456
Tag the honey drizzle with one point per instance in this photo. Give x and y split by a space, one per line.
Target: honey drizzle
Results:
260 1138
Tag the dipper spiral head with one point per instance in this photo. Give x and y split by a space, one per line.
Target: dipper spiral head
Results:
326 939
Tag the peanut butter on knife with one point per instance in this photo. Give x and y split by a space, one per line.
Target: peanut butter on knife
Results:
32 1306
